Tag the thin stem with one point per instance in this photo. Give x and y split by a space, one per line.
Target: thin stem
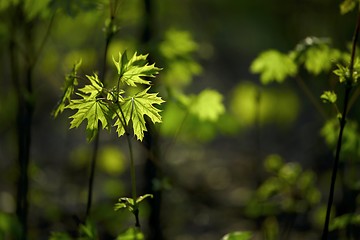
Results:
92 175
133 182
348 88
97 138
132 165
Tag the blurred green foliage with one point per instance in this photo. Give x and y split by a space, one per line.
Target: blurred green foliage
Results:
289 189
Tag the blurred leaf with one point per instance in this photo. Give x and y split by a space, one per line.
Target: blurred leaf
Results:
344 221
238 235
208 105
320 58
177 44
351 138
251 105
177 49
269 188
179 73
88 230
290 172
131 234
347 6
329 96
273 66
273 163
10 228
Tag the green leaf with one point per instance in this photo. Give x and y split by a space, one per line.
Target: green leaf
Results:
345 220
345 75
320 58
125 202
238 235
128 203
329 96
133 71
131 234
347 6
273 66
141 198
135 108
91 107
208 105
177 44
70 83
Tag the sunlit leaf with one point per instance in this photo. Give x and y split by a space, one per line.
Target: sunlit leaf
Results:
141 198
239 235
135 108
208 105
91 108
328 96
129 203
273 66
133 71
344 73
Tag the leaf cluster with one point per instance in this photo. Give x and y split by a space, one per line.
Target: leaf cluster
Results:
129 203
107 107
289 188
314 54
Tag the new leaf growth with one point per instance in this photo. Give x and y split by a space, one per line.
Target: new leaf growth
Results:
112 106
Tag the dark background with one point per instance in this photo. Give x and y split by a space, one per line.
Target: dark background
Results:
207 177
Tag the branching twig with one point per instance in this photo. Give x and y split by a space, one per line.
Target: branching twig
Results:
348 89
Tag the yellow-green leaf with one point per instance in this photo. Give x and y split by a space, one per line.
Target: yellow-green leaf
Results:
273 66
133 71
208 105
135 108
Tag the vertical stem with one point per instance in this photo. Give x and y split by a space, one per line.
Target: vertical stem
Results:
348 88
133 181
92 175
109 36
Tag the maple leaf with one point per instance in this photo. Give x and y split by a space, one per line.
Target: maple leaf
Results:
91 107
70 83
273 66
135 108
208 105
132 71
